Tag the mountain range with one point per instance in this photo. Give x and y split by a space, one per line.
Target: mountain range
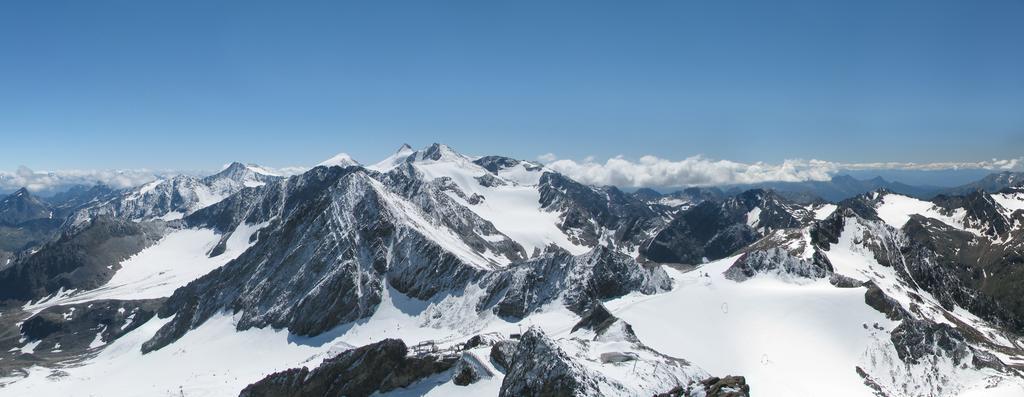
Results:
432 272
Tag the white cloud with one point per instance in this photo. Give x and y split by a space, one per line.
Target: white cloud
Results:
547 157
648 171
55 180
1016 164
653 171
288 171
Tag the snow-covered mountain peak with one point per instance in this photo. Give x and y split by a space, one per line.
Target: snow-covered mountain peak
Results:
400 156
465 253
440 152
242 172
247 175
339 160
260 170
1011 200
22 206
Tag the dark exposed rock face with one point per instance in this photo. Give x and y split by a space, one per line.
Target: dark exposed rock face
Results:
25 223
335 236
780 262
597 319
379 367
729 386
323 261
83 260
959 268
588 211
21 206
181 194
80 196
503 352
915 339
878 300
75 327
597 275
714 230
19 241
980 212
494 164
468 371
464 375
990 184
541 368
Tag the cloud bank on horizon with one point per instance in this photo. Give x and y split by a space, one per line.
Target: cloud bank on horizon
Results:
647 171
53 181
652 171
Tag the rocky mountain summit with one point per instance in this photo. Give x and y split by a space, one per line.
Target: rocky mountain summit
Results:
433 272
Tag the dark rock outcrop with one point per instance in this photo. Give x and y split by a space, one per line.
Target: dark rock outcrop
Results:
714 230
917 339
379 367
75 327
588 212
541 368
878 300
780 262
83 260
581 280
503 352
597 319
729 386
22 206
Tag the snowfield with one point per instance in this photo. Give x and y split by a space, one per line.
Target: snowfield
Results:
514 208
788 330
774 333
157 271
896 210
213 360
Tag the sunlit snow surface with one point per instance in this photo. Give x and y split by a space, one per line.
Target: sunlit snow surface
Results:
896 210
824 211
513 208
787 339
1011 202
157 271
217 360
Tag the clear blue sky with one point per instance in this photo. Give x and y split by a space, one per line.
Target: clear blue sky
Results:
182 84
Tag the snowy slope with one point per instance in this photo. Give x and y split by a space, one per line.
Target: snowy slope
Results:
1010 201
176 197
264 274
177 259
339 160
774 333
896 210
215 360
512 205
